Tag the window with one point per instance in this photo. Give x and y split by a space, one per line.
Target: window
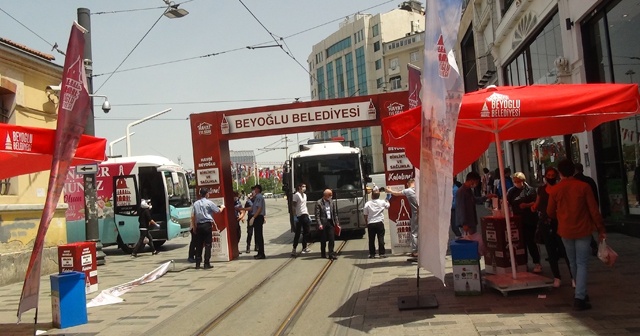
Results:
394 63
414 56
339 46
331 89
358 36
469 70
340 77
355 136
334 133
320 78
505 5
366 137
362 72
344 133
535 64
379 64
375 30
376 46
396 83
380 83
351 82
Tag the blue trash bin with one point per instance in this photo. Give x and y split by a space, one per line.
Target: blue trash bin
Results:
68 299
466 267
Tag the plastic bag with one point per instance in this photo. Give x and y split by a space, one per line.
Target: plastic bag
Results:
606 254
145 240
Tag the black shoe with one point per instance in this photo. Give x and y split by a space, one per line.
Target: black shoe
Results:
154 252
580 305
207 266
133 255
586 298
383 256
248 249
260 256
197 266
333 257
191 260
371 256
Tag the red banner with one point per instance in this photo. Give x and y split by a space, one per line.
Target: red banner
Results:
73 111
415 85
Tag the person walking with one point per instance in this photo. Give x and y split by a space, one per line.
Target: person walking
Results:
303 222
258 210
410 193
325 217
521 198
202 224
548 227
571 202
145 221
594 188
374 216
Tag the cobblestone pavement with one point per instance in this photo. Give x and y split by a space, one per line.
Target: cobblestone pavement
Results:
371 309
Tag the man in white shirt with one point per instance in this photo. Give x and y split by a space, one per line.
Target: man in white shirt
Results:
374 216
303 222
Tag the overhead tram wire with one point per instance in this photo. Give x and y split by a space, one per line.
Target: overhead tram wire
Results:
240 48
129 54
288 53
53 46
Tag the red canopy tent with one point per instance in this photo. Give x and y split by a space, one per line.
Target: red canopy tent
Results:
26 150
518 112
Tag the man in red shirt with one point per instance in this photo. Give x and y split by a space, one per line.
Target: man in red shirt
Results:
572 203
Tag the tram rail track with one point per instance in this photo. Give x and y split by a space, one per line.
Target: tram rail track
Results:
294 312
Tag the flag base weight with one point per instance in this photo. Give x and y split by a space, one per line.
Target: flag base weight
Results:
417 302
505 283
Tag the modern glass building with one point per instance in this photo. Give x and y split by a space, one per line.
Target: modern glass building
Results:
349 63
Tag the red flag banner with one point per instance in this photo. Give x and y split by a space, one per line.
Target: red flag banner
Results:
73 111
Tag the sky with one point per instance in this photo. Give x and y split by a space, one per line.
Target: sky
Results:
236 77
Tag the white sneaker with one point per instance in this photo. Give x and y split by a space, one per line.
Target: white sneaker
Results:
306 250
293 253
556 283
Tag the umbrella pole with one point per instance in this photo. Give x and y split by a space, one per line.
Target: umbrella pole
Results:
505 204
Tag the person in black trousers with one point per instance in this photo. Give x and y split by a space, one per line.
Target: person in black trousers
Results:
145 220
202 224
374 216
257 220
326 217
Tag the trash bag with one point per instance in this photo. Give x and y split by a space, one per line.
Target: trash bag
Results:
606 253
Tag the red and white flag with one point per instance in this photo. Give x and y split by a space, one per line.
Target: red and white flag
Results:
442 90
73 110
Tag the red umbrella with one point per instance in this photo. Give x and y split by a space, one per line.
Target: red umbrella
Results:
518 112
26 150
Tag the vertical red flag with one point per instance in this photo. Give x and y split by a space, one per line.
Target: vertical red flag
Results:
73 110
415 85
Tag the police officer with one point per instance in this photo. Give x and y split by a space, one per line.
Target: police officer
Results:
202 224
258 209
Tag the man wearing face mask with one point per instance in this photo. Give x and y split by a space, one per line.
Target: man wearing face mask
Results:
326 216
303 222
521 197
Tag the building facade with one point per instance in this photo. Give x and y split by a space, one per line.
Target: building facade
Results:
517 42
352 62
24 75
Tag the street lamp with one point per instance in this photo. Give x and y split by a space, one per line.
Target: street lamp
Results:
128 134
173 12
116 141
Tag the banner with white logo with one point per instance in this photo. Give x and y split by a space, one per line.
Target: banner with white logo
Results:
441 97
